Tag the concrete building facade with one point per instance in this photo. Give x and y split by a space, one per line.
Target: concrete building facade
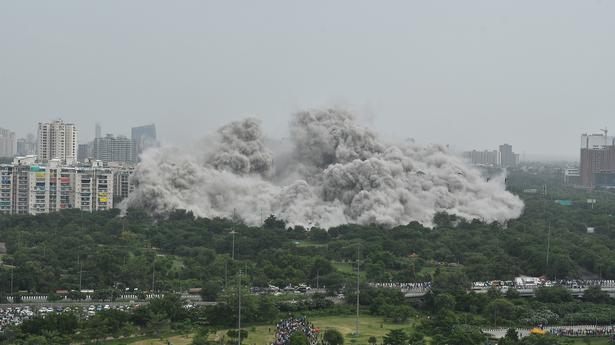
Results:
114 149
57 140
30 188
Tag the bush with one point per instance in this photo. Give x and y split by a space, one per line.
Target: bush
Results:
333 337
556 294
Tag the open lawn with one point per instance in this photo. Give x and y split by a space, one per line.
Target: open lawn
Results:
368 326
263 334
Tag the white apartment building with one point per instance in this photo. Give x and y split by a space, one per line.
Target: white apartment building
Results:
57 140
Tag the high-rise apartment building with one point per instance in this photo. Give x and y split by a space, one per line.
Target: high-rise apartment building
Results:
507 157
7 143
29 188
114 149
144 137
597 167
57 140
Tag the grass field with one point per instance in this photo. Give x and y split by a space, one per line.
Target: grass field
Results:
263 334
368 326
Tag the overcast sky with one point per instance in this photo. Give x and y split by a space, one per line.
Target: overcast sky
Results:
472 74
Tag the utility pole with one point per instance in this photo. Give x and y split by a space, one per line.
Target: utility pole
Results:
317 277
154 273
548 245
225 274
12 269
80 274
233 232
239 309
358 292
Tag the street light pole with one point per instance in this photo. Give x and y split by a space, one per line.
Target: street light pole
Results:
239 309
358 292
233 232
154 273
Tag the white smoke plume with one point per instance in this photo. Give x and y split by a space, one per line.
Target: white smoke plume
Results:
336 173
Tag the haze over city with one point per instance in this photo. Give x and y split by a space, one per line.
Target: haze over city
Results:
470 74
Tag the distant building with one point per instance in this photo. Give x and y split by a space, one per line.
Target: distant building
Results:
114 149
97 131
482 157
572 176
507 157
597 160
144 137
7 143
84 152
57 140
26 146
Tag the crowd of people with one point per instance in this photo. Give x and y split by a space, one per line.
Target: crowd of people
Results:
14 316
286 328
599 331
582 284
501 284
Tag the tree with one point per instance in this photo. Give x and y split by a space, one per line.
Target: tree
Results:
397 313
232 333
511 337
333 337
170 306
455 281
555 294
298 338
595 294
465 336
372 340
395 337
444 301
158 325
499 309
210 290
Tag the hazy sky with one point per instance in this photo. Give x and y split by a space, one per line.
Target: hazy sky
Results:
472 74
